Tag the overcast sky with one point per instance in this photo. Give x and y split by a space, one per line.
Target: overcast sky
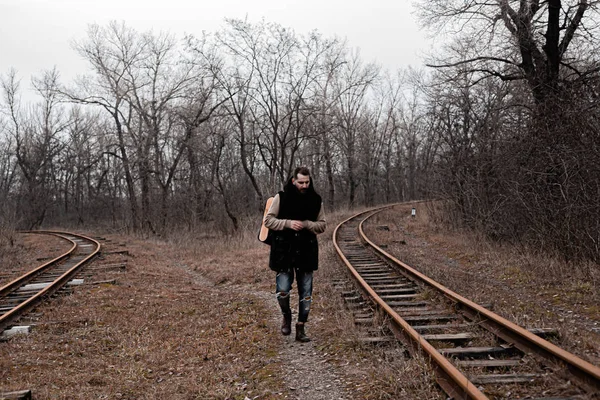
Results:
37 34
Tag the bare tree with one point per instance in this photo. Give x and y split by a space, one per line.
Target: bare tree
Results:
8 174
323 121
351 88
112 52
201 131
521 39
275 79
37 142
374 140
527 145
78 162
8 164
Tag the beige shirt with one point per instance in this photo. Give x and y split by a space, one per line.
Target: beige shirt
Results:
272 222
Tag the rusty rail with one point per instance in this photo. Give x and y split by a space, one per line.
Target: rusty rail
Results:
450 378
7 318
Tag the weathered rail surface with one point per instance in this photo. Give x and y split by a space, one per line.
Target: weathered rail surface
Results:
476 353
28 290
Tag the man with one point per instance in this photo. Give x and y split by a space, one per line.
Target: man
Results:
295 218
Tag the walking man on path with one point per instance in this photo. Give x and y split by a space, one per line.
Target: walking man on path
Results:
295 218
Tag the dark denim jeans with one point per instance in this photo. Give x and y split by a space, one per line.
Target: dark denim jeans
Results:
304 281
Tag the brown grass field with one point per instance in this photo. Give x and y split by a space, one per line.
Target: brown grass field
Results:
531 289
37 250
196 318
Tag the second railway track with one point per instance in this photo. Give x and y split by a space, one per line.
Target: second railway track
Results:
25 292
476 353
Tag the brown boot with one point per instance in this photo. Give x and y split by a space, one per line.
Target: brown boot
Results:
300 335
286 325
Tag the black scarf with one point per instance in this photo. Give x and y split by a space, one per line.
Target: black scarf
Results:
299 206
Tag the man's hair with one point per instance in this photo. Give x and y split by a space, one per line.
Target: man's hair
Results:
301 171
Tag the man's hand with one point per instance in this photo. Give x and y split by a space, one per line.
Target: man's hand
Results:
297 225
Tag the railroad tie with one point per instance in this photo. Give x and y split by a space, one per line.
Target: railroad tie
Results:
18 395
478 352
503 379
450 337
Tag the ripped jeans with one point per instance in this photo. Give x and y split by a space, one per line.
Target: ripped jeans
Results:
304 281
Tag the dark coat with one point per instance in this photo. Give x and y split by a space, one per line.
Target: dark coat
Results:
296 249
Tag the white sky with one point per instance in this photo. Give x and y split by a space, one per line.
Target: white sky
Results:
36 34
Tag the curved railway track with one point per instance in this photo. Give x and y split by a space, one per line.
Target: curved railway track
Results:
25 292
475 353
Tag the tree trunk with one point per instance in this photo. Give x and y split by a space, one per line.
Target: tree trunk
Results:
128 176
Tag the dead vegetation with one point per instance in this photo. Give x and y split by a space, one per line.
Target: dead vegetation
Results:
193 323
21 252
372 372
160 332
529 288
198 322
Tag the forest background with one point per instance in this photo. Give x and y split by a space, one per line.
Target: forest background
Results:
192 134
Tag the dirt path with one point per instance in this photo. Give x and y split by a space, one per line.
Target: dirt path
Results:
306 370
309 375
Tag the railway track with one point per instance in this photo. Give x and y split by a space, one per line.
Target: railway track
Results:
28 290
475 353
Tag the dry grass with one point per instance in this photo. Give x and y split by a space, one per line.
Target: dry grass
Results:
188 324
193 324
533 290
20 253
161 332
371 372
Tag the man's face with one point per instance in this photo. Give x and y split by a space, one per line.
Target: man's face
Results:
301 182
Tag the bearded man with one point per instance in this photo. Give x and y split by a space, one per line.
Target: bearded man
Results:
295 218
